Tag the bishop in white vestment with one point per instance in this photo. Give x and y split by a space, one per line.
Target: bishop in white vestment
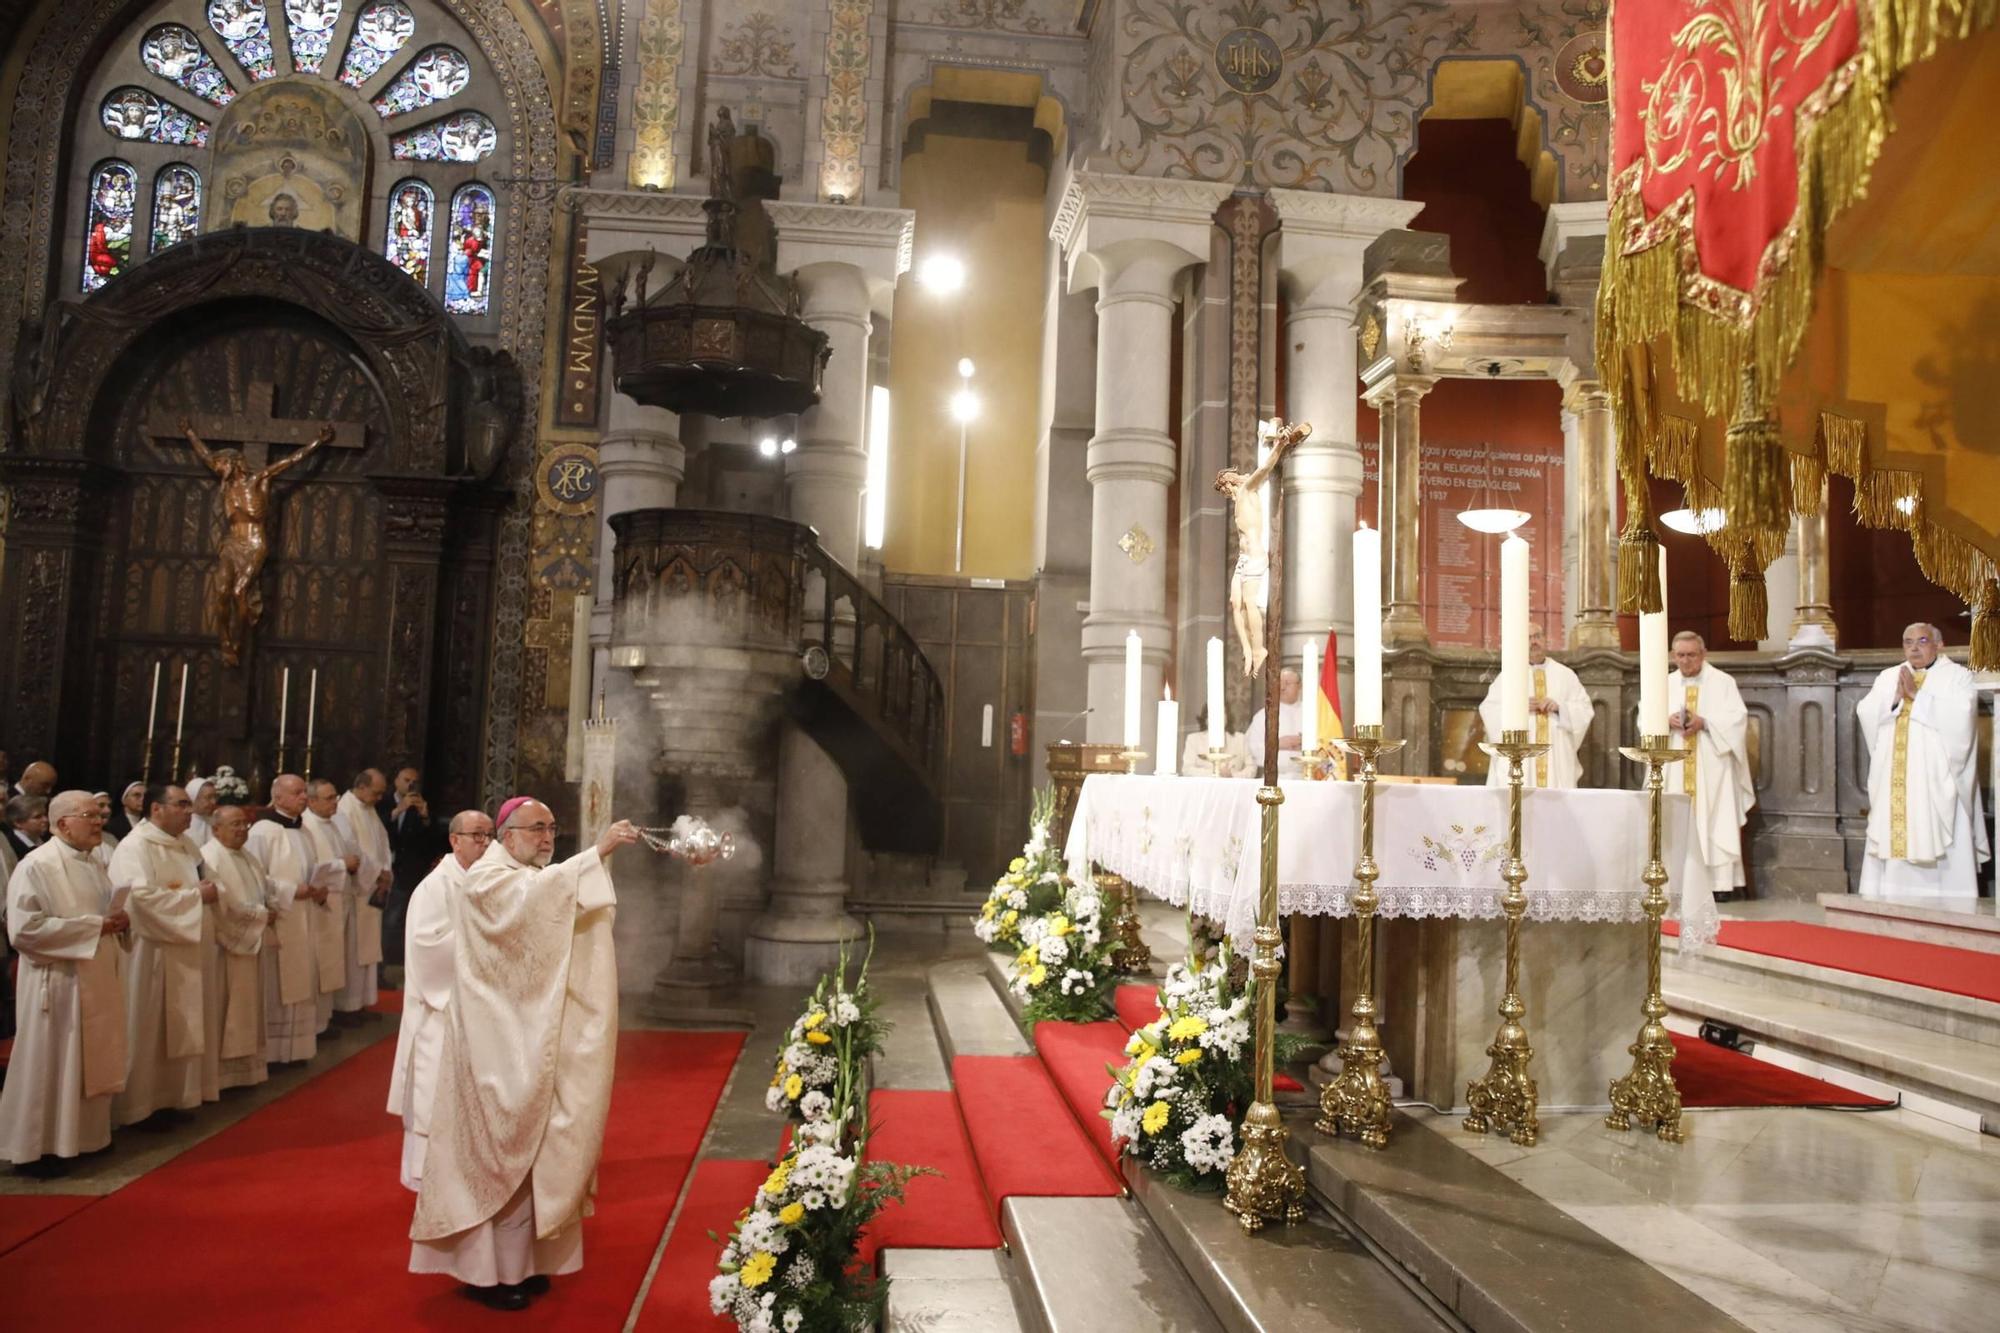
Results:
369 837
69 1035
1708 722
524 1084
1559 713
427 982
242 920
1925 836
277 842
333 921
173 936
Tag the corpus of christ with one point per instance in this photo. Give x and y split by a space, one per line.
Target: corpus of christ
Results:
999 666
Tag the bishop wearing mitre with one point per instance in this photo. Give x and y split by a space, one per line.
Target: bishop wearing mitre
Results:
242 920
1558 714
333 921
1925 837
368 838
69 1036
524 1082
1711 728
277 843
173 934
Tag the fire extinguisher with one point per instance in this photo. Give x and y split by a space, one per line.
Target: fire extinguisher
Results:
1017 733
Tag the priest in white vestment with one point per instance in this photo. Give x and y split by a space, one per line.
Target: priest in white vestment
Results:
1708 722
1925 836
427 981
1290 731
358 822
1559 712
277 842
241 921
333 920
69 1035
524 1083
173 934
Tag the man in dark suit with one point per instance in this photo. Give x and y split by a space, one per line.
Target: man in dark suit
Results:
414 846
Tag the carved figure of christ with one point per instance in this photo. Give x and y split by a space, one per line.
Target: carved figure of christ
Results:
1249 581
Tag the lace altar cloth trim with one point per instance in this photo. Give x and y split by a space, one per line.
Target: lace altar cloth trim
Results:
1194 842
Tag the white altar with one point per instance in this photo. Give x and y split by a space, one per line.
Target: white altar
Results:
1194 842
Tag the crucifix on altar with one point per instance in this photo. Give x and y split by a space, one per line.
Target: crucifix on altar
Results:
235 601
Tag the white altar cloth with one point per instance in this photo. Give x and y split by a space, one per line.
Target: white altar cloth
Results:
1194 842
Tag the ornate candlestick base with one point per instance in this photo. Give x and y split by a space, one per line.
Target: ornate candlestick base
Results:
281 758
1131 758
1505 1100
1648 1094
174 765
1215 758
1357 1100
308 771
1264 1184
1131 953
146 763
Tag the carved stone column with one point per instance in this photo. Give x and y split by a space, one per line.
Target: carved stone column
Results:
799 934
1130 237
640 465
1587 408
1812 622
1399 506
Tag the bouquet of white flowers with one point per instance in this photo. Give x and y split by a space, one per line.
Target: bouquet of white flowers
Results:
820 1063
228 788
1064 968
1032 886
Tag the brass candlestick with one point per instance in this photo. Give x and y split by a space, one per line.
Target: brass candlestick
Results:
1648 1093
1215 758
174 765
281 756
1130 758
1505 1100
1357 1101
146 762
309 762
1265 1184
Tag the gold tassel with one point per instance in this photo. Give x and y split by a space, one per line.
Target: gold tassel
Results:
1638 570
1749 605
1986 628
1756 483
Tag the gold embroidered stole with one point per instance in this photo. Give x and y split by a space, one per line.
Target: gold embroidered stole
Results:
1899 780
1688 742
1542 728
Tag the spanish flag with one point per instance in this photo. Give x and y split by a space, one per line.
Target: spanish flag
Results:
1328 693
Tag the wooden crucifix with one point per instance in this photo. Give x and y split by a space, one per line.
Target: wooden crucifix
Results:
235 600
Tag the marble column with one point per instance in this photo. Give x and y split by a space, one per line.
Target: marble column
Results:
1130 238
1812 621
640 465
799 934
1399 505
1781 590
1594 519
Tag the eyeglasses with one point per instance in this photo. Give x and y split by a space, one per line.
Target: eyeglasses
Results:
539 829
476 837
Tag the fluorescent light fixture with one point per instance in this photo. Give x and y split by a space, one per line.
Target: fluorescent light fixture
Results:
875 519
965 367
1493 520
942 273
1695 523
965 406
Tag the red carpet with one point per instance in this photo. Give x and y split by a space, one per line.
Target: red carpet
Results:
297 1208
25 1216
943 1212
1076 1054
1912 962
678 1298
1711 1075
1023 1137
1136 1005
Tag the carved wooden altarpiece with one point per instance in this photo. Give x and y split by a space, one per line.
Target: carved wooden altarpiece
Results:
381 548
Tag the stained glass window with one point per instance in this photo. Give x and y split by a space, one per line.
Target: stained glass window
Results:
379 32
176 205
309 27
135 114
465 137
408 242
246 30
176 55
468 261
438 72
107 243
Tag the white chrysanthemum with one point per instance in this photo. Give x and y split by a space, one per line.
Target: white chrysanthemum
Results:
1018 900
815 1104
794 1317
1077 982
774 1099
814 1200
1054 949
1125 1122
723 1289
846 1011
1209 1143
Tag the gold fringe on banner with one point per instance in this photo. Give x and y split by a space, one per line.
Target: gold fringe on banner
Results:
1986 628
1754 490
1749 605
1639 571
1808 485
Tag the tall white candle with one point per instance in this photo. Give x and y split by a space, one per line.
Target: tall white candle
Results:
1132 715
153 711
284 703
1218 731
180 714
1168 739
1309 701
312 705
1367 627
1653 662
1514 634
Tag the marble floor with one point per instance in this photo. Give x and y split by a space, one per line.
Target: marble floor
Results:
1792 1220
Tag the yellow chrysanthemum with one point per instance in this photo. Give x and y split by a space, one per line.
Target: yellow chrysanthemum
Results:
819 1038
774 1184
1189 1056
1059 924
1145 1051
986 912
1155 1118
757 1269
1027 957
1011 917
1017 865
1187 1028
791 1213
1038 976
815 1018
794 1086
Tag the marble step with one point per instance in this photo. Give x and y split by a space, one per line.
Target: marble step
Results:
969 1017
949 1291
1092 1265
1959 925
1962 1016
1313 1275
999 967
1497 1257
1958 1072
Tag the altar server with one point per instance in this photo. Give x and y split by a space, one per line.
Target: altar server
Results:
524 1084
69 1042
1925 836
291 966
173 934
1559 713
358 820
242 920
334 920
1710 724
427 980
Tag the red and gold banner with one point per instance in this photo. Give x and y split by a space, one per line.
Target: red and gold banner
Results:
1801 273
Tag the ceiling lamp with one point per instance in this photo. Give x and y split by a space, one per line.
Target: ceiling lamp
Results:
1493 521
1695 522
